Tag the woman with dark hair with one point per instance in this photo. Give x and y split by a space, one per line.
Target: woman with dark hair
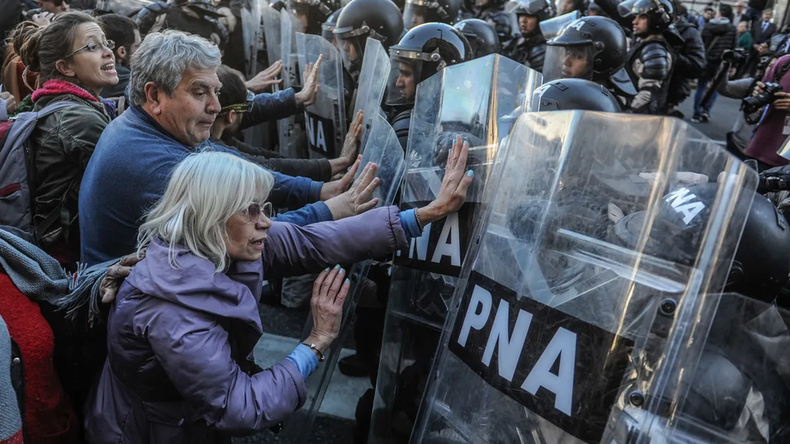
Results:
74 61
236 101
15 78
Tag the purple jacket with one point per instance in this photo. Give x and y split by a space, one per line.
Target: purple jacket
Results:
179 366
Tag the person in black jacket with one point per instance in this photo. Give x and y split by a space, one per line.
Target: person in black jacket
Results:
762 31
690 60
719 35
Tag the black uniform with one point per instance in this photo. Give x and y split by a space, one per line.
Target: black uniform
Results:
650 66
200 19
529 50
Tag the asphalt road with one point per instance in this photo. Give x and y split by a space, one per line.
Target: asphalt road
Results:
723 115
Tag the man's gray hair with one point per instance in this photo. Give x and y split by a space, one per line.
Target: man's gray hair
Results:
164 56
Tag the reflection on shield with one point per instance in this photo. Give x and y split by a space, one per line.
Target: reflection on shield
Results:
267 46
250 29
372 85
558 332
271 33
386 152
291 130
472 100
326 118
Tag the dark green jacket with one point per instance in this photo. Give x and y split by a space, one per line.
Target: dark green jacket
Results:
62 144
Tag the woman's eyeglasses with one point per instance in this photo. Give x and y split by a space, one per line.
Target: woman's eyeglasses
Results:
93 47
255 211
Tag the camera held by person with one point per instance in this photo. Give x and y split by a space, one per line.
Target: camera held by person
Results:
751 105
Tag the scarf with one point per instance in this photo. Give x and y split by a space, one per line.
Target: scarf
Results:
57 87
40 277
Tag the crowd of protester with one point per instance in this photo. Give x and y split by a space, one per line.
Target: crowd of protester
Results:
137 166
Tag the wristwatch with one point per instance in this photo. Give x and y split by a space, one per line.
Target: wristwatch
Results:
314 348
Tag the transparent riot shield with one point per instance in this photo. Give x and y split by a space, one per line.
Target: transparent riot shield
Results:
386 152
740 389
250 30
291 130
326 118
270 19
559 328
472 100
372 84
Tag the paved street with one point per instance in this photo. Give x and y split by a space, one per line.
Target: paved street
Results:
723 116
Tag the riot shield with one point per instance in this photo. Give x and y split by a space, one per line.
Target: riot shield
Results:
270 19
473 100
551 27
326 118
557 326
250 31
386 152
290 130
372 84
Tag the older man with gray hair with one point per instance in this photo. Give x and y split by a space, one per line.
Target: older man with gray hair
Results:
174 89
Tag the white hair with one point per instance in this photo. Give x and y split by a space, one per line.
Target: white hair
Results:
164 56
206 189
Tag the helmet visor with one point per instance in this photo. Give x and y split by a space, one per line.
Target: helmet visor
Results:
528 7
351 49
415 14
404 77
569 62
327 32
551 28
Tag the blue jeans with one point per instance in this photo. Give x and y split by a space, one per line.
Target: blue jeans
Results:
702 84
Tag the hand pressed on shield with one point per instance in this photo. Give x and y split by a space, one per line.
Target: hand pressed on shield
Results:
266 78
359 197
351 144
329 293
309 93
454 186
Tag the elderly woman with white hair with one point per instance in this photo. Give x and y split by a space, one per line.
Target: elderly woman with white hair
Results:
184 324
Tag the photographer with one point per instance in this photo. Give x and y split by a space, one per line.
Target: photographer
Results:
740 135
774 125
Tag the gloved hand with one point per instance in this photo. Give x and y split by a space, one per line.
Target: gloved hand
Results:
774 179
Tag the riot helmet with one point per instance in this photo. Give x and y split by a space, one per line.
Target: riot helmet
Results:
481 36
591 48
542 9
360 19
328 28
761 265
659 15
313 13
566 6
421 53
418 12
568 94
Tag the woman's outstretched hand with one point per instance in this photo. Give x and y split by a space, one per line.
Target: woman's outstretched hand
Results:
329 293
454 185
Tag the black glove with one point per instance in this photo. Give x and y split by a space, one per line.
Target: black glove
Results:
774 179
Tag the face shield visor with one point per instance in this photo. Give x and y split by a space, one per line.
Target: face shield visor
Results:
402 84
569 62
415 13
311 13
551 28
351 43
328 33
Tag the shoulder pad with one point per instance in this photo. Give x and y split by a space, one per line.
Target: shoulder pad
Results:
656 60
401 124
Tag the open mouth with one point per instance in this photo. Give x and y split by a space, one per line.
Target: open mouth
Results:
108 68
258 243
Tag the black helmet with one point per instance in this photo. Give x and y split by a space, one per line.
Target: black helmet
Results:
481 36
421 53
360 19
542 9
761 264
328 28
568 94
660 13
600 38
313 13
567 6
417 12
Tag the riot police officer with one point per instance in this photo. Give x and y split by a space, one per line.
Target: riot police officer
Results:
313 13
418 12
592 48
421 53
482 36
492 11
328 28
651 59
530 47
360 19
194 16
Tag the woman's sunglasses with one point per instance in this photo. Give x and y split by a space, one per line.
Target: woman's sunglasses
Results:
255 211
